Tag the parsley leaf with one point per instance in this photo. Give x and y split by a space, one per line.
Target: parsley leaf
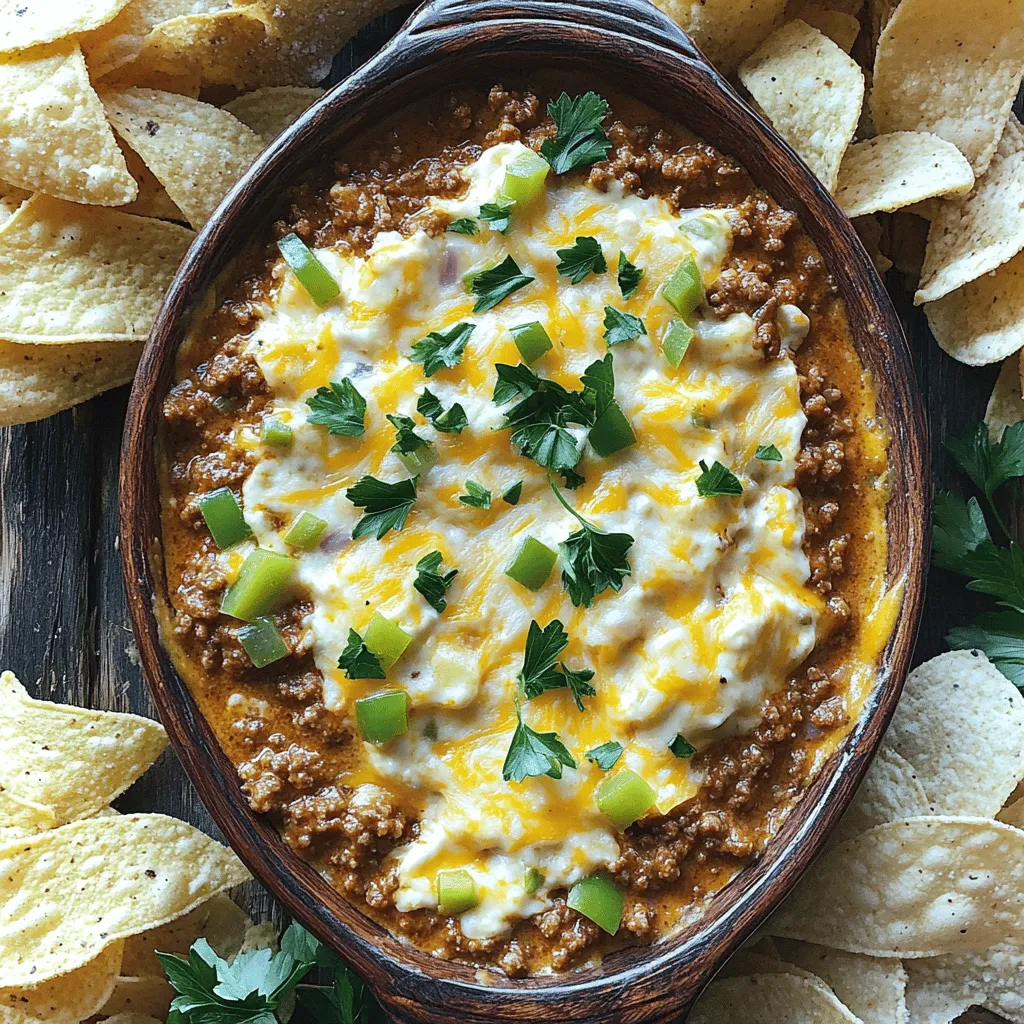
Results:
498 215
539 672
682 747
583 257
407 440
477 496
451 422
358 661
438 350
463 226
598 381
717 482
513 493
498 283
620 326
629 277
432 584
960 528
348 1001
768 453
990 465
578 682
579 140
592 561
534 753
1001 636
606 755
387 505
339 408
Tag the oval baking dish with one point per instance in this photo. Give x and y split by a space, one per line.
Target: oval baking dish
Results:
446 42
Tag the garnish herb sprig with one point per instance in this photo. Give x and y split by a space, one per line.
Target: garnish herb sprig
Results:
629 277
580 140
494 285
539 671
431 583
387 505
583 257
440 349
358 661
340 408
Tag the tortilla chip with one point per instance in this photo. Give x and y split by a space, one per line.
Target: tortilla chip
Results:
20 818
131 1018
869 230
890 791
37 381
1006 405
269 111
982 322
153 200
726 30
874 988
148 995
53 135
810 91
943 987
25 23
1013 813
890 171
922 887
72 760
950 68
137 74
769 999
978 233
840 27
67 999
96 881
196 151
79 273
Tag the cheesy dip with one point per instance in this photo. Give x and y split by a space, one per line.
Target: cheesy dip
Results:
524 514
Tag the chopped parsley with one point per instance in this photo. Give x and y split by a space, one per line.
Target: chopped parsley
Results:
476 496
513 493
620 326
592 561
605 756
498 215
432 584
540 673
583 257
492 286
629 277
452 421
358 661
768 453
440 349
580 140
339 408
990 465
463 226
534 753
387 505
682 747
717 482
406 439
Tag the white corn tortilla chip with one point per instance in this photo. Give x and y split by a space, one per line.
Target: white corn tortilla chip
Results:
83 273
874 988
67 894
27 23
890 791
1006 404
152 200
147 994
950 68
890 171
976 234
769 999
22 817
269 111
195 150
840 27
921 887
53 135
953 707
941 988
983 321
810 91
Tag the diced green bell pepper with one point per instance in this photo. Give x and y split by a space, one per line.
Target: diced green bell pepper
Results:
533 880
223 517
598 898
305 531
456 892
684 290
524 178
612 432
386 639
312 274
532 340
261 580
276 433
383 715
532 564
676 341
624 797
262 642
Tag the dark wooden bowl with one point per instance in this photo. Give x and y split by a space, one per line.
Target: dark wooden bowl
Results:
644 52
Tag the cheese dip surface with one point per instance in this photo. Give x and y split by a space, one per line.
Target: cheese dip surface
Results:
524 524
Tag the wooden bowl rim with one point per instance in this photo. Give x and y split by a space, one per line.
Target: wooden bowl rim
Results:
656 982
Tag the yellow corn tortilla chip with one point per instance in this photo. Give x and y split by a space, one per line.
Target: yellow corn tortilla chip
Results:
66 894
890 171
1006 404
66 999
137 74
149 995
921 887
26 23
890 791
37 381
873 988
840 27
152 200
950 68
952 707
72 760
769 999
269 111
810 91
53 135
726 30
980 232
22 817
195 150
983 321
79 273
943 987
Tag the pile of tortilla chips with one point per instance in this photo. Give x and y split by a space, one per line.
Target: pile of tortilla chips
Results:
916 910
86 894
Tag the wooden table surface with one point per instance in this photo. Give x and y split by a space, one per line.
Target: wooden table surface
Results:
64 627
